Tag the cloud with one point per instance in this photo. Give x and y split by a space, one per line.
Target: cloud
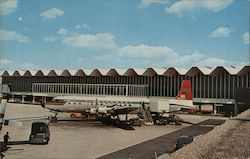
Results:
62 31
221 32
83 26
12 36
8 6
145 51
5 62
183 6
102 40
185 60
146 3
49 39
29 66
212 62
245 37
81 60
201 60
52 14
20 19
158 56
78 40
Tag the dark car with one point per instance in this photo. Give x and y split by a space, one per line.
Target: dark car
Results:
136 122
40 133
182 141
163 120
175 119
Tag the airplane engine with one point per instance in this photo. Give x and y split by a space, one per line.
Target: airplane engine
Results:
93 111
102 110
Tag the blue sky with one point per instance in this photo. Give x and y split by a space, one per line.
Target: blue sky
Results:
73 34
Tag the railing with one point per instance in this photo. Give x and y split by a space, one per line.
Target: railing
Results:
90 89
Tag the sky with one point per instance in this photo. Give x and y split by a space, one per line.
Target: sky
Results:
74 34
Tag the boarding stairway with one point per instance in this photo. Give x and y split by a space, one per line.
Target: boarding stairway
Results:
145 112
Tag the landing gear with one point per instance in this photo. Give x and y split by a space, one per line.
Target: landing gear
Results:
72 115
54 119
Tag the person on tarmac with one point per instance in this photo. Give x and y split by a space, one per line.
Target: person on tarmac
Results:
6 138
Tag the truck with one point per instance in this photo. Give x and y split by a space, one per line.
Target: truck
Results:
159 119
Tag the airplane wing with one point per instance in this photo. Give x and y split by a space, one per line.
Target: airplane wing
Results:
15 120
124 109
27 118
18 121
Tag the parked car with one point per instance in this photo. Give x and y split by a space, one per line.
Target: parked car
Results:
40 133
163 120
175 119
136 122
182 141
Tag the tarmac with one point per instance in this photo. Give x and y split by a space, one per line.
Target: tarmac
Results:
87 139
163 144
229 140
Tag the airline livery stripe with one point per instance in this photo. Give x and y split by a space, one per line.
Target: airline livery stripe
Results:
54 103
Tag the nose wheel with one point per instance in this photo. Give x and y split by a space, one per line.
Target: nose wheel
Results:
54 119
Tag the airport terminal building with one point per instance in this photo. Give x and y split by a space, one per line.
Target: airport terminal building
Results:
227 89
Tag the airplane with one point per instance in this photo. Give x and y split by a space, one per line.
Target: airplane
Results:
100 107
111 106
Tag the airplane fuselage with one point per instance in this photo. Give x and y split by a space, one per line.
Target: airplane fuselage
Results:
71 106
90 105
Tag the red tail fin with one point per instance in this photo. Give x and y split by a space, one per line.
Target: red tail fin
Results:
185 91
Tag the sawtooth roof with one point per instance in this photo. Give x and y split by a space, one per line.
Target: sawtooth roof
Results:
171 71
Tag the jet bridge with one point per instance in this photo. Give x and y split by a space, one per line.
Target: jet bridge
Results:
56 89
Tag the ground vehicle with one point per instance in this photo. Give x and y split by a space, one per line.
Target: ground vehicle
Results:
174 119
164 120
136 122
182 141
40 133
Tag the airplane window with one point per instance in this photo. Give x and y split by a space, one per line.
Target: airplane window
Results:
54 100
60 100
74 103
